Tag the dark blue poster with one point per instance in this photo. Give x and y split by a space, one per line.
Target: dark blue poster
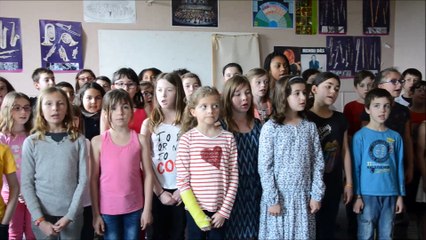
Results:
332 16
348 55
10 45
61 45
376 20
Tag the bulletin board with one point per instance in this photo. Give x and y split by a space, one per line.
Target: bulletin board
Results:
165 50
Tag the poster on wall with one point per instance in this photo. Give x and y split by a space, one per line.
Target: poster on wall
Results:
376 20
123 11
195 13
10 45
306 17
348 55
313 58
332 16
273 14
293 56
61 45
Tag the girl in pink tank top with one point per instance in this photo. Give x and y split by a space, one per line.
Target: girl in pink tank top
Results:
121 191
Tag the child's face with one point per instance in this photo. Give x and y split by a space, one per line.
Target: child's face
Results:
147 93
54 109
92 100
379 110
165 94
419 94
363 87
121 113
297 99
128 85
85 78
46 81
392 84
104 84
3 91
21 111
260 86
409 81
207 110
148 76
230 72
278 68
326 92
242 99
189 86
70 93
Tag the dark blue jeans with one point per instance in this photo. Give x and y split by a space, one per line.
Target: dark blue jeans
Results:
194 232
378 213
123 226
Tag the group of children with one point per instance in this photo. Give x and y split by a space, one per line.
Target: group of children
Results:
266 158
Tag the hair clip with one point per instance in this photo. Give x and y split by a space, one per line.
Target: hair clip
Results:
295 78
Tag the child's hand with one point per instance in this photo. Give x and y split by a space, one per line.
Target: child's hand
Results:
98 225
399 205
47 228
146 219
358 206
217 220
275 210
176 197
347 195
61 224
166 198
314 206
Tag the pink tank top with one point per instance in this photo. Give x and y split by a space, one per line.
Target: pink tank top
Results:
120 187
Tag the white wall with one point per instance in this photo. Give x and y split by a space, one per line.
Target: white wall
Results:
410 35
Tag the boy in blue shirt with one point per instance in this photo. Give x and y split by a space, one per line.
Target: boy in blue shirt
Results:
378 170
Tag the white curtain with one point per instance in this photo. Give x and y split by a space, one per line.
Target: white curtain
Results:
239 48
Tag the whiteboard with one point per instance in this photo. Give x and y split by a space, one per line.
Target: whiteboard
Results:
165 50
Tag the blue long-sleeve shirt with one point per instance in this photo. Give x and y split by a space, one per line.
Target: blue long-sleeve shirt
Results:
378 163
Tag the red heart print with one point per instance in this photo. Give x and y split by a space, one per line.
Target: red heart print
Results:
212 156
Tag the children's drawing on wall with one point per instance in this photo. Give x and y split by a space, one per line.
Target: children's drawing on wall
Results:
196 13
313 58
273 14
10 45
347 55
332 16
306 17
376 19
61 45
293 56
123 11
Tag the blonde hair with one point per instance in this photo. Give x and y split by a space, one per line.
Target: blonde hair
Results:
190 121
111 99
41 126
157 116
6 119
228 92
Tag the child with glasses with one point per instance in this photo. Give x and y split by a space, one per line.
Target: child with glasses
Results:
15 126
82 77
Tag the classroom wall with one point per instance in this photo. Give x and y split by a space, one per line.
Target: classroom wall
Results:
234 16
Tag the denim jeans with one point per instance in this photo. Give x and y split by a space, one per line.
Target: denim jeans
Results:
194 232
378 214
123 226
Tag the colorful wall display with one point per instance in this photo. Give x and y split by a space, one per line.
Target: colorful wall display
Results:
332 16
10 45
273 14
376 19
306 17
348 55
302 58
195 13
61 45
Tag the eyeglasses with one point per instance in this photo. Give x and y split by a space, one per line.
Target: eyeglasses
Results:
395 81
147 94
123 85
18 108
85 78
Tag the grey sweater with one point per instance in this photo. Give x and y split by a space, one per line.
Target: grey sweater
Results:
53 176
